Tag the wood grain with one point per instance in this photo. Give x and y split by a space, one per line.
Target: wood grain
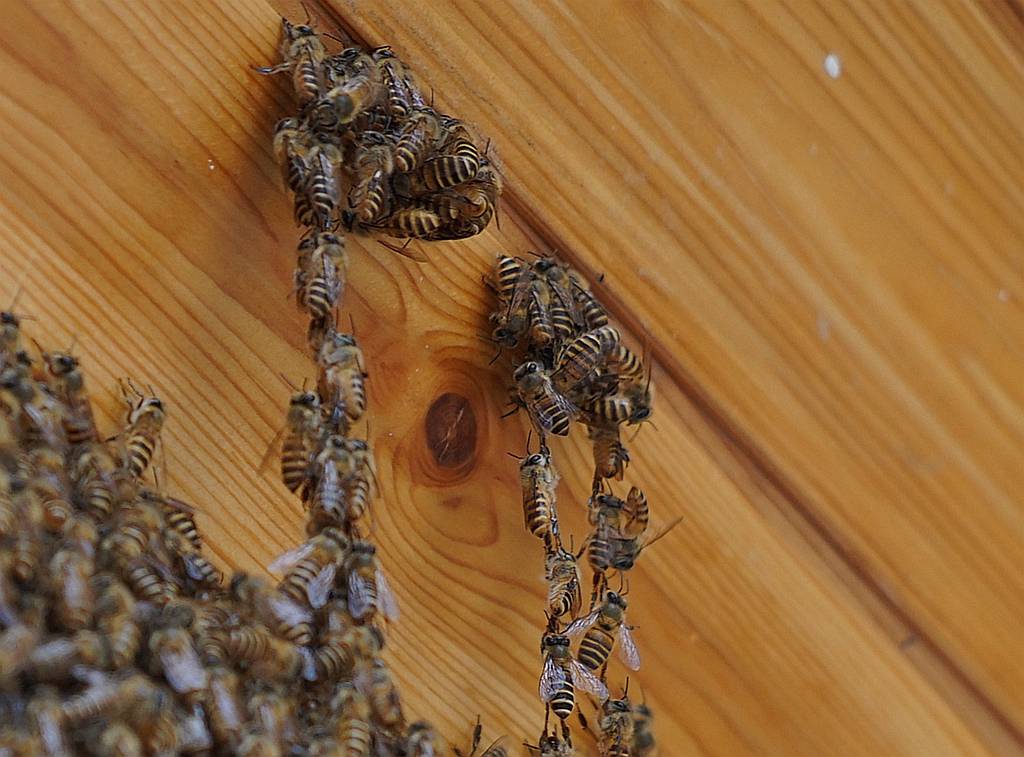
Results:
830 267
142 213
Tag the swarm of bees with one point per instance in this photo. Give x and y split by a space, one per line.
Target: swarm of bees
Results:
570 364
369 153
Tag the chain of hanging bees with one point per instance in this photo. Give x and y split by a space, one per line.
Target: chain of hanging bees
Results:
570 364
365 131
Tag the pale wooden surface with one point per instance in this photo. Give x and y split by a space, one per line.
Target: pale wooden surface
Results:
829 271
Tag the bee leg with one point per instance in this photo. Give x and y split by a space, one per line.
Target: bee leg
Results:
273 69
547 717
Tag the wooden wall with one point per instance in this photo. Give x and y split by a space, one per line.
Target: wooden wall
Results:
826 260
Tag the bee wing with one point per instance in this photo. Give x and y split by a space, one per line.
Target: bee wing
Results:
627 650
183 670
288 610
388 603
319 589
288 559
192 569
358 595
580 626
586 681
551 679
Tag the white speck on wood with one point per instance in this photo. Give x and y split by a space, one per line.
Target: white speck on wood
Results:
833 66
210 165
824 327
1004 295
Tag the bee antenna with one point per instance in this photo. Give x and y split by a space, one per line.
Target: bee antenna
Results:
625 691
529 438
515 456
309 18
335 38
352 323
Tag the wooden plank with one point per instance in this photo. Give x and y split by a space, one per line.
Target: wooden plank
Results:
141 211
831 265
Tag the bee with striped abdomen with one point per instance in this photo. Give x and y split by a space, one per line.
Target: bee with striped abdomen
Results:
368 589
563 576
342 376
354 730
562 674
602 629
145 420
311 567
549 411
538 481
417 139
303 55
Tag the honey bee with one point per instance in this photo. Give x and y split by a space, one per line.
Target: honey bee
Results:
538 480
174 655
376 683
562 674
19 639
594 314
70 574
626 549
601 628
116 623
69 385
223 704
10 330
291 148
563 577
44 711
93 470
616 728
605 515
458 160
479 204
421 740
637 513
632 405
319 282
177 515
368 588
273 713
418 137
149 581
322 184
610 455
563 284
401 94
353 732
303 53
551 745
137 526
415 220
302 432
581 359
342 377
267 655
145 420
196 567
542 328
358 89
548 409
288 618
514 283
373 164
643 735
54 660
312 567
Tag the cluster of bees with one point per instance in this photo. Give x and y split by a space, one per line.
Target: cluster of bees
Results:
569 364
368 152
409 172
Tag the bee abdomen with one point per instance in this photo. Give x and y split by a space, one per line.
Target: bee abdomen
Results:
564 701
447 171
595 648
307 81
355 737
140 454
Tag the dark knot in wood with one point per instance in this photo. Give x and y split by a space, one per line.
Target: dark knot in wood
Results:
451 430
